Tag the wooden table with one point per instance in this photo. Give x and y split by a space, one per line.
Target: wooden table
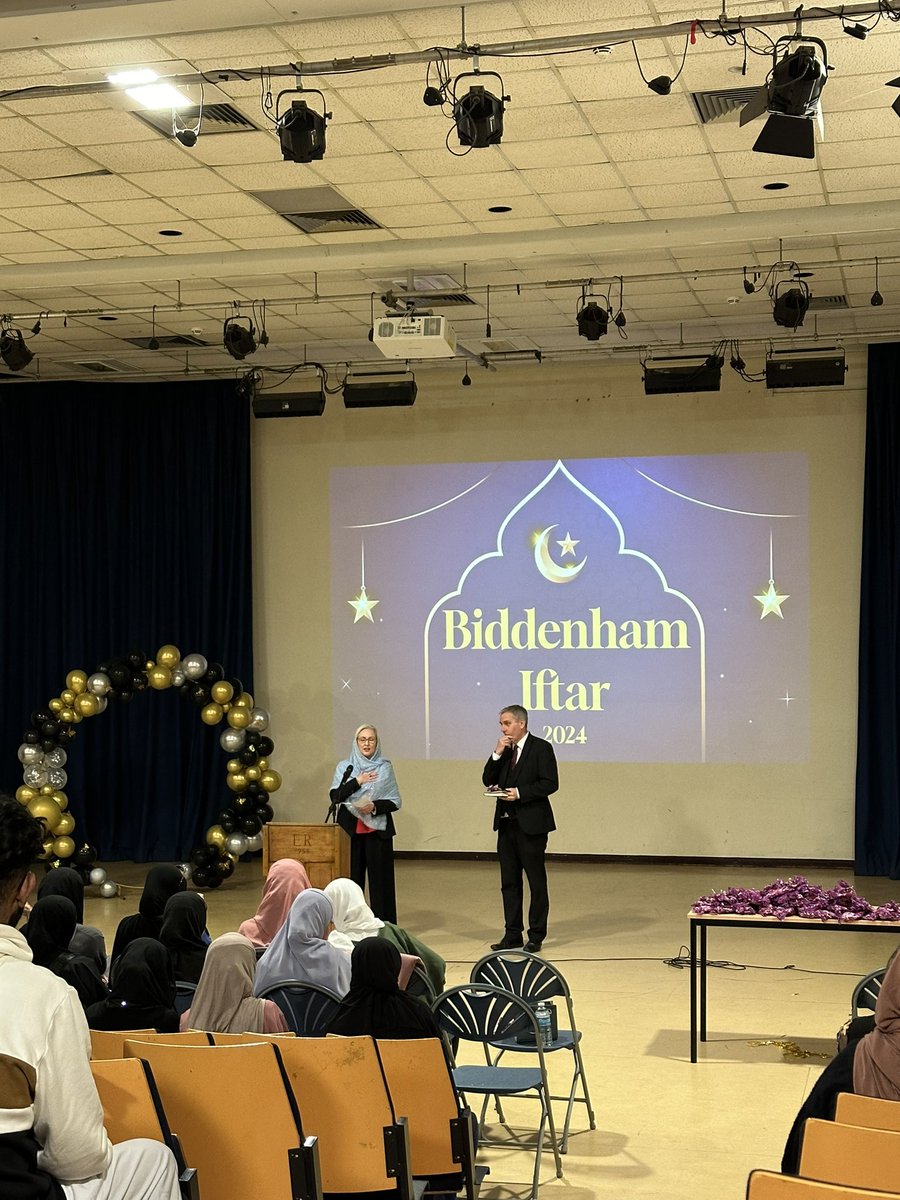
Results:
701 922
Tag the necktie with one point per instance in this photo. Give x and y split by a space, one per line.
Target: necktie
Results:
515 758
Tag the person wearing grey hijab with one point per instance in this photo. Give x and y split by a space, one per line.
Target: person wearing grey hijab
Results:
300 949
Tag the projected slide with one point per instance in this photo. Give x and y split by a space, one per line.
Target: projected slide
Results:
642 610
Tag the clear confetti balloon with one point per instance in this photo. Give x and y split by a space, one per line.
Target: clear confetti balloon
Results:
35 775
57 777
30 755
55 757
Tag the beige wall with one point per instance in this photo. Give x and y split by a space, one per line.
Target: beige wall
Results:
577 410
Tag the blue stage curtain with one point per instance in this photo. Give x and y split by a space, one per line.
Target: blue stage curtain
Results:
878 752
125 525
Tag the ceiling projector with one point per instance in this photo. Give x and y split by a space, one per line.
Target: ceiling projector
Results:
411 336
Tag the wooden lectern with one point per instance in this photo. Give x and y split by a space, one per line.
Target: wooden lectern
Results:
323 849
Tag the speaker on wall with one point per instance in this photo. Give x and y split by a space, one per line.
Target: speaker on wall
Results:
379 393
289 404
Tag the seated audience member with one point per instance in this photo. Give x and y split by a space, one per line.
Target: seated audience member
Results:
869 1066
354 920
48 933
141 991
162 882
375 1005
224 1000
183 927
300 949
53 1143
88 940
285 881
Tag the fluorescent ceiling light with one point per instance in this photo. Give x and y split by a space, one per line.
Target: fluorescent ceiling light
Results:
145 86
133 78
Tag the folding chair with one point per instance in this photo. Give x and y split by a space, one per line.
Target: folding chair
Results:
865 993
340 1089
850 1155
244 1039
420 985
110 1043
485 1014
768 1185
216 1096
132 1109
308 1008
184 995
535 979
867 1111
191 1037
441 1134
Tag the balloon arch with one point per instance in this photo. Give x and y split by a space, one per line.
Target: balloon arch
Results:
249 777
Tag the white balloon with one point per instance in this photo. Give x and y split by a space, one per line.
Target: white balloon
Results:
108 889
231 740
98 875
178 676
259 720
236 843
254 843
194 665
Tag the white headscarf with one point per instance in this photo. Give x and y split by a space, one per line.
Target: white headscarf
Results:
299 949
353 919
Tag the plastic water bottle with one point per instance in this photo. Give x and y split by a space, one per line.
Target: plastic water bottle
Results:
544 1023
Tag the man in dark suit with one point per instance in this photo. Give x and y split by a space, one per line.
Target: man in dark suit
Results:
522 770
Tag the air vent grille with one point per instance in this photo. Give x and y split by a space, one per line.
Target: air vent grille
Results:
339 221
215 118
436 299
725 102
102 366
168 341
827 302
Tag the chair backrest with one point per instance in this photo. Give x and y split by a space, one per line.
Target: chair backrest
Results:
517 971
110 1043
865 994
244 1039
480 1012
184 995
191 1037
420 985
343 1100
308 1008
849 1154
215 1097
421 1089
867 1111
131 1104
769 1185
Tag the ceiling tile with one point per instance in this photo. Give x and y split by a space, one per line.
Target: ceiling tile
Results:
131 158
46 164
675 211
599 201
686 169
20 195
404 217
197 181
18 134
561 179
96 128
113 54
522 206
649 114
54 216
375 169
864 152
95 187
561 151
640 146
94 238
477 187
249 43
221 204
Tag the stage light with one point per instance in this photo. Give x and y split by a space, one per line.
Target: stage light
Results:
301 130
790 304
593 320
433 97
791 100
13 350
303 402
478 114
239 340
662 85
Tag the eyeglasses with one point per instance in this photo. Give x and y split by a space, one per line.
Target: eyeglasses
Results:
364 741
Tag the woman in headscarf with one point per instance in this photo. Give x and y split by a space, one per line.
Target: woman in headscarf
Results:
365 796
87 939
354 920
869 1066
162 881
375 1005
183 926
224 1000
49 932
285 881
300 949
142 991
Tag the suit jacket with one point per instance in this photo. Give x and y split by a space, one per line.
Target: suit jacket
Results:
535 776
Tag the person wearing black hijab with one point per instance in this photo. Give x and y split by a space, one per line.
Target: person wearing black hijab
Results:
141 993
87 940
162 881
183 926
49 932
375 1005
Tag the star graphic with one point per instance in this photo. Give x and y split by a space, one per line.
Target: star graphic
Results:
771 601
567 545
363 606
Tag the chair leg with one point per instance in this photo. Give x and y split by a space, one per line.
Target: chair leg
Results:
584 1085
545 1101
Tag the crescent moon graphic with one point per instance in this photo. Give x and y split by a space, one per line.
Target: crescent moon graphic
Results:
545 564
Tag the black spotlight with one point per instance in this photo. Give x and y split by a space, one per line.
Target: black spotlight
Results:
662 85
479 113
239 340
13 350
593 321
790 305
301 130
791 100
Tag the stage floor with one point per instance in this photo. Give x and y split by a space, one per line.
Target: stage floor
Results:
666 1130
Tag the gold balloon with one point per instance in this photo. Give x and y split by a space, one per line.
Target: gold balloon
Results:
87 704
244 700
47 789
237 782
76 681
234 858
233 766
253 773
270 781
55 705
24 793
62 800
64 847
211 714
46 809
47 849
67 715
64 825
159 677
215 836
239 717
149 664
222 691
68 697
76 716
168 656
263 764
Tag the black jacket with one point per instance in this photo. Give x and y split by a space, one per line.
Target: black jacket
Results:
536 778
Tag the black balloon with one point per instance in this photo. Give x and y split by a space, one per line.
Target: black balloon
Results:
243 805
237 687
229 824
265 746
250 825
125 696
136 659
224 868
139 681
40 715
120 675
31 736
202 876
85 855
255 789
214 672
252 737
49 729
265 813
200 695
203 856
215 879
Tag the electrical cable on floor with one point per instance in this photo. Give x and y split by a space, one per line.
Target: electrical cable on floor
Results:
682 961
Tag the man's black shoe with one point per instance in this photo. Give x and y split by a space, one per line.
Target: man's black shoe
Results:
505 945
533 947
